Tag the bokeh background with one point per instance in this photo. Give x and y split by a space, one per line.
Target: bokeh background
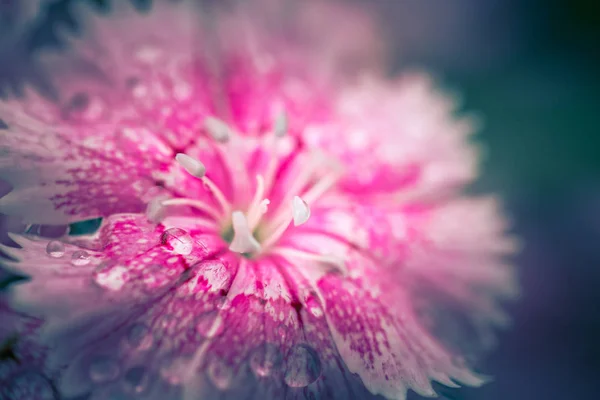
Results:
530 69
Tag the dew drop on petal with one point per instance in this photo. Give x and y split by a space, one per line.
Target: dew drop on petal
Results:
111 277
220 374
104 369
210 324
303 366
29 385
139 337
178 241
80 258
55 249
136 380
282 332
265 359
313 306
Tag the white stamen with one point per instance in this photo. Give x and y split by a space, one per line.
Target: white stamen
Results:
192 166
243 241
264 206
221 199
321 187
300 211
300 214
280 124
253 212
218 129
196 168
155 209
197 204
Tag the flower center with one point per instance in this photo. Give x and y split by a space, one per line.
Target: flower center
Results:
305 176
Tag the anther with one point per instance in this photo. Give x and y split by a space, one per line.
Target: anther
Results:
243 241
196 168
300 214
300 211
280 124
192 166
217 129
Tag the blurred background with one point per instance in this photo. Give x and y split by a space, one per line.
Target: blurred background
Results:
530 69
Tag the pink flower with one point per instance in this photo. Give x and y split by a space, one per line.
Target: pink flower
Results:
268 232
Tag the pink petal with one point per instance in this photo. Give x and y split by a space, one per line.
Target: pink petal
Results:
401 138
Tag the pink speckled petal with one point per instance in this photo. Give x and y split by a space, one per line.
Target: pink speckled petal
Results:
62 172
401 138
220 326
416 300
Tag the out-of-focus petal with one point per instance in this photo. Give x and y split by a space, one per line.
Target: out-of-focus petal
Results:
402 138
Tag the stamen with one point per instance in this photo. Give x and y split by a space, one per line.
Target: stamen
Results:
332 261
217 129
196 168
280 124
321 187
300 211
197 204
243 241
155 209
254 212
192 166
264 206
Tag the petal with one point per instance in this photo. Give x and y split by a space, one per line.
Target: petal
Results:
128 260
380 338
401 138
230 327
420 292
60 173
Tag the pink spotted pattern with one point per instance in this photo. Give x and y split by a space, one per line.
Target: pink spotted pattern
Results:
272 228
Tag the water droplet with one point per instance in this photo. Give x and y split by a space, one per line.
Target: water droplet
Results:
104 369
282 332
111 277
140 337
136 380
178 240
55 249
210 324
303 366
220 374
314 307
29 385
80 258
265 359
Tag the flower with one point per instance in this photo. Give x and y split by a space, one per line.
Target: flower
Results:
268 231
